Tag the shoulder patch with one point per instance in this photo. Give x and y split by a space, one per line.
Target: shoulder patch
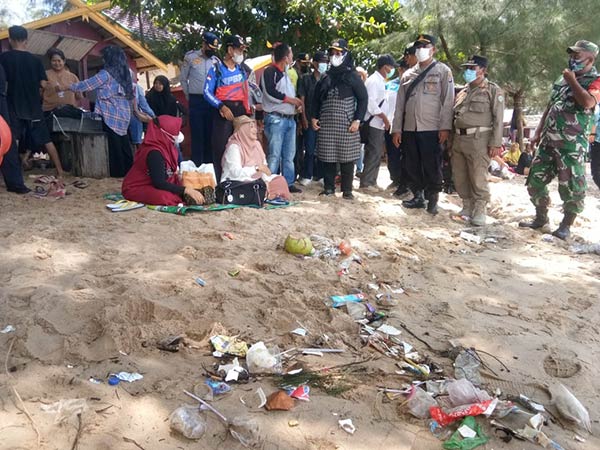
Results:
501 98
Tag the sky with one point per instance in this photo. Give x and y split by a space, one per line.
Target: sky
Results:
18 10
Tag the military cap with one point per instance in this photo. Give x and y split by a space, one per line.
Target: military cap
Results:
584 46
424 39
303 57
320 57
235 41
476 60
340 45
211 40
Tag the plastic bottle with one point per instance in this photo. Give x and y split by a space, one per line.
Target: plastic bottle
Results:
188 421
467 366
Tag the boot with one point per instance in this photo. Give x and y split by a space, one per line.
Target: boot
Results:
541 219
467 209
479 211
432 203
418 201
564 229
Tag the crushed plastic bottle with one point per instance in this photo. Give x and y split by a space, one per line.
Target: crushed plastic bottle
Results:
467 366
188 421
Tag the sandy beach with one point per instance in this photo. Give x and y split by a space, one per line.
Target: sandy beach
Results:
90 292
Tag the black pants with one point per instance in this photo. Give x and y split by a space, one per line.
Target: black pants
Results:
395 161
201 116
221 132
595 162
120 155
423 164
330 171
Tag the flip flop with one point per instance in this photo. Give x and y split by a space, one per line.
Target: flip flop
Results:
45 179
80 184
39 192
124 205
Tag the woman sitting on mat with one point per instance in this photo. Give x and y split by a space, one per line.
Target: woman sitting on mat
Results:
153 178
244 158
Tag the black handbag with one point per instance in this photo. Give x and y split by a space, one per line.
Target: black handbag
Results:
364 128
230 192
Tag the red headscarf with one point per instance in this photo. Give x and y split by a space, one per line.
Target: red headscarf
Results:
137 185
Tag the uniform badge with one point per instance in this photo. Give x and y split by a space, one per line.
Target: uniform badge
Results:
196 61
501 98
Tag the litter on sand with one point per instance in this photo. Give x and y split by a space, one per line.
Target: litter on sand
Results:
347 425
8 329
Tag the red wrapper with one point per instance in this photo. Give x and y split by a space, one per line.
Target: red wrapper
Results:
445 418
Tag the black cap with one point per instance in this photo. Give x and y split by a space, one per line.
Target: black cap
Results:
235 41
410 50
340 45
303 57
476 60
211 40
320 57
386 60
424 39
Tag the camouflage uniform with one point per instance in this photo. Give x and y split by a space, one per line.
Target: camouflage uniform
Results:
562 147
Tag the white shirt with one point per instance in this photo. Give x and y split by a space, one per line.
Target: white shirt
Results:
233 169
375 85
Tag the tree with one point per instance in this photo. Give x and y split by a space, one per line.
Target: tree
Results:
305 24
525 40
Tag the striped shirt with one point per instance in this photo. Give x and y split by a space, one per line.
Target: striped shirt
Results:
111 103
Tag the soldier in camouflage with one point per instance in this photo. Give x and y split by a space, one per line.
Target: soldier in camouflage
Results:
562 136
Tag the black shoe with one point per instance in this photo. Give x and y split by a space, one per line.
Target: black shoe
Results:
541 219
564 230
348 196
327 193
358 174
294 190
401 191
416 202
432 202
19 190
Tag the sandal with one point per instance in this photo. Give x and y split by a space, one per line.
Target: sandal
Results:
80 184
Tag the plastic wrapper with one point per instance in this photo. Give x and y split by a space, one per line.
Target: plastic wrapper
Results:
458 442
260 360
188 421
229 344
467 366
420 403
462 392
245 430
66 408
569 407
447 417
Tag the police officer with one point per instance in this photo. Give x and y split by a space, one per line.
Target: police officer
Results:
563 137
478 126
422 122
194 69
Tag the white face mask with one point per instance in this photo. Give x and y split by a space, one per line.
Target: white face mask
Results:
238 58
322 68
423 54
337 60
175 139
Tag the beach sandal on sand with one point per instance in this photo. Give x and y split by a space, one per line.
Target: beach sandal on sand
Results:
278 201
124 205
45 179
39 192
80 184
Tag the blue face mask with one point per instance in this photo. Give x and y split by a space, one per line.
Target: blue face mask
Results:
470 75
391 73
322 68
576 65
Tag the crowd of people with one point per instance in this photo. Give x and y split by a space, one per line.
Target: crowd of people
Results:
323 119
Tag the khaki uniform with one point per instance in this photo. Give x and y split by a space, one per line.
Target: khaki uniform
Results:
478 124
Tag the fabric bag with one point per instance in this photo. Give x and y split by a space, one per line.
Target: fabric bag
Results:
197 180
364 127
278 188
230 192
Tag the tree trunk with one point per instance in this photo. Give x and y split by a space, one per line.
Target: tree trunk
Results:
518 102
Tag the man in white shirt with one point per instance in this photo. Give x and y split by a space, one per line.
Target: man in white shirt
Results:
378 121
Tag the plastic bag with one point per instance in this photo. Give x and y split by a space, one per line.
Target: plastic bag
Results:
462 392
447 417
188 421
467 366
569 407
458 442
260 360
245 430
420 402
65 409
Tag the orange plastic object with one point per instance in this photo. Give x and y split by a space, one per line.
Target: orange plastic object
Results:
5 138
345 248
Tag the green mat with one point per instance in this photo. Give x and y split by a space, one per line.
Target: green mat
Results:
183 210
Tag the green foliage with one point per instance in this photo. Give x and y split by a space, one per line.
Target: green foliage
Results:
525 40
305 24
